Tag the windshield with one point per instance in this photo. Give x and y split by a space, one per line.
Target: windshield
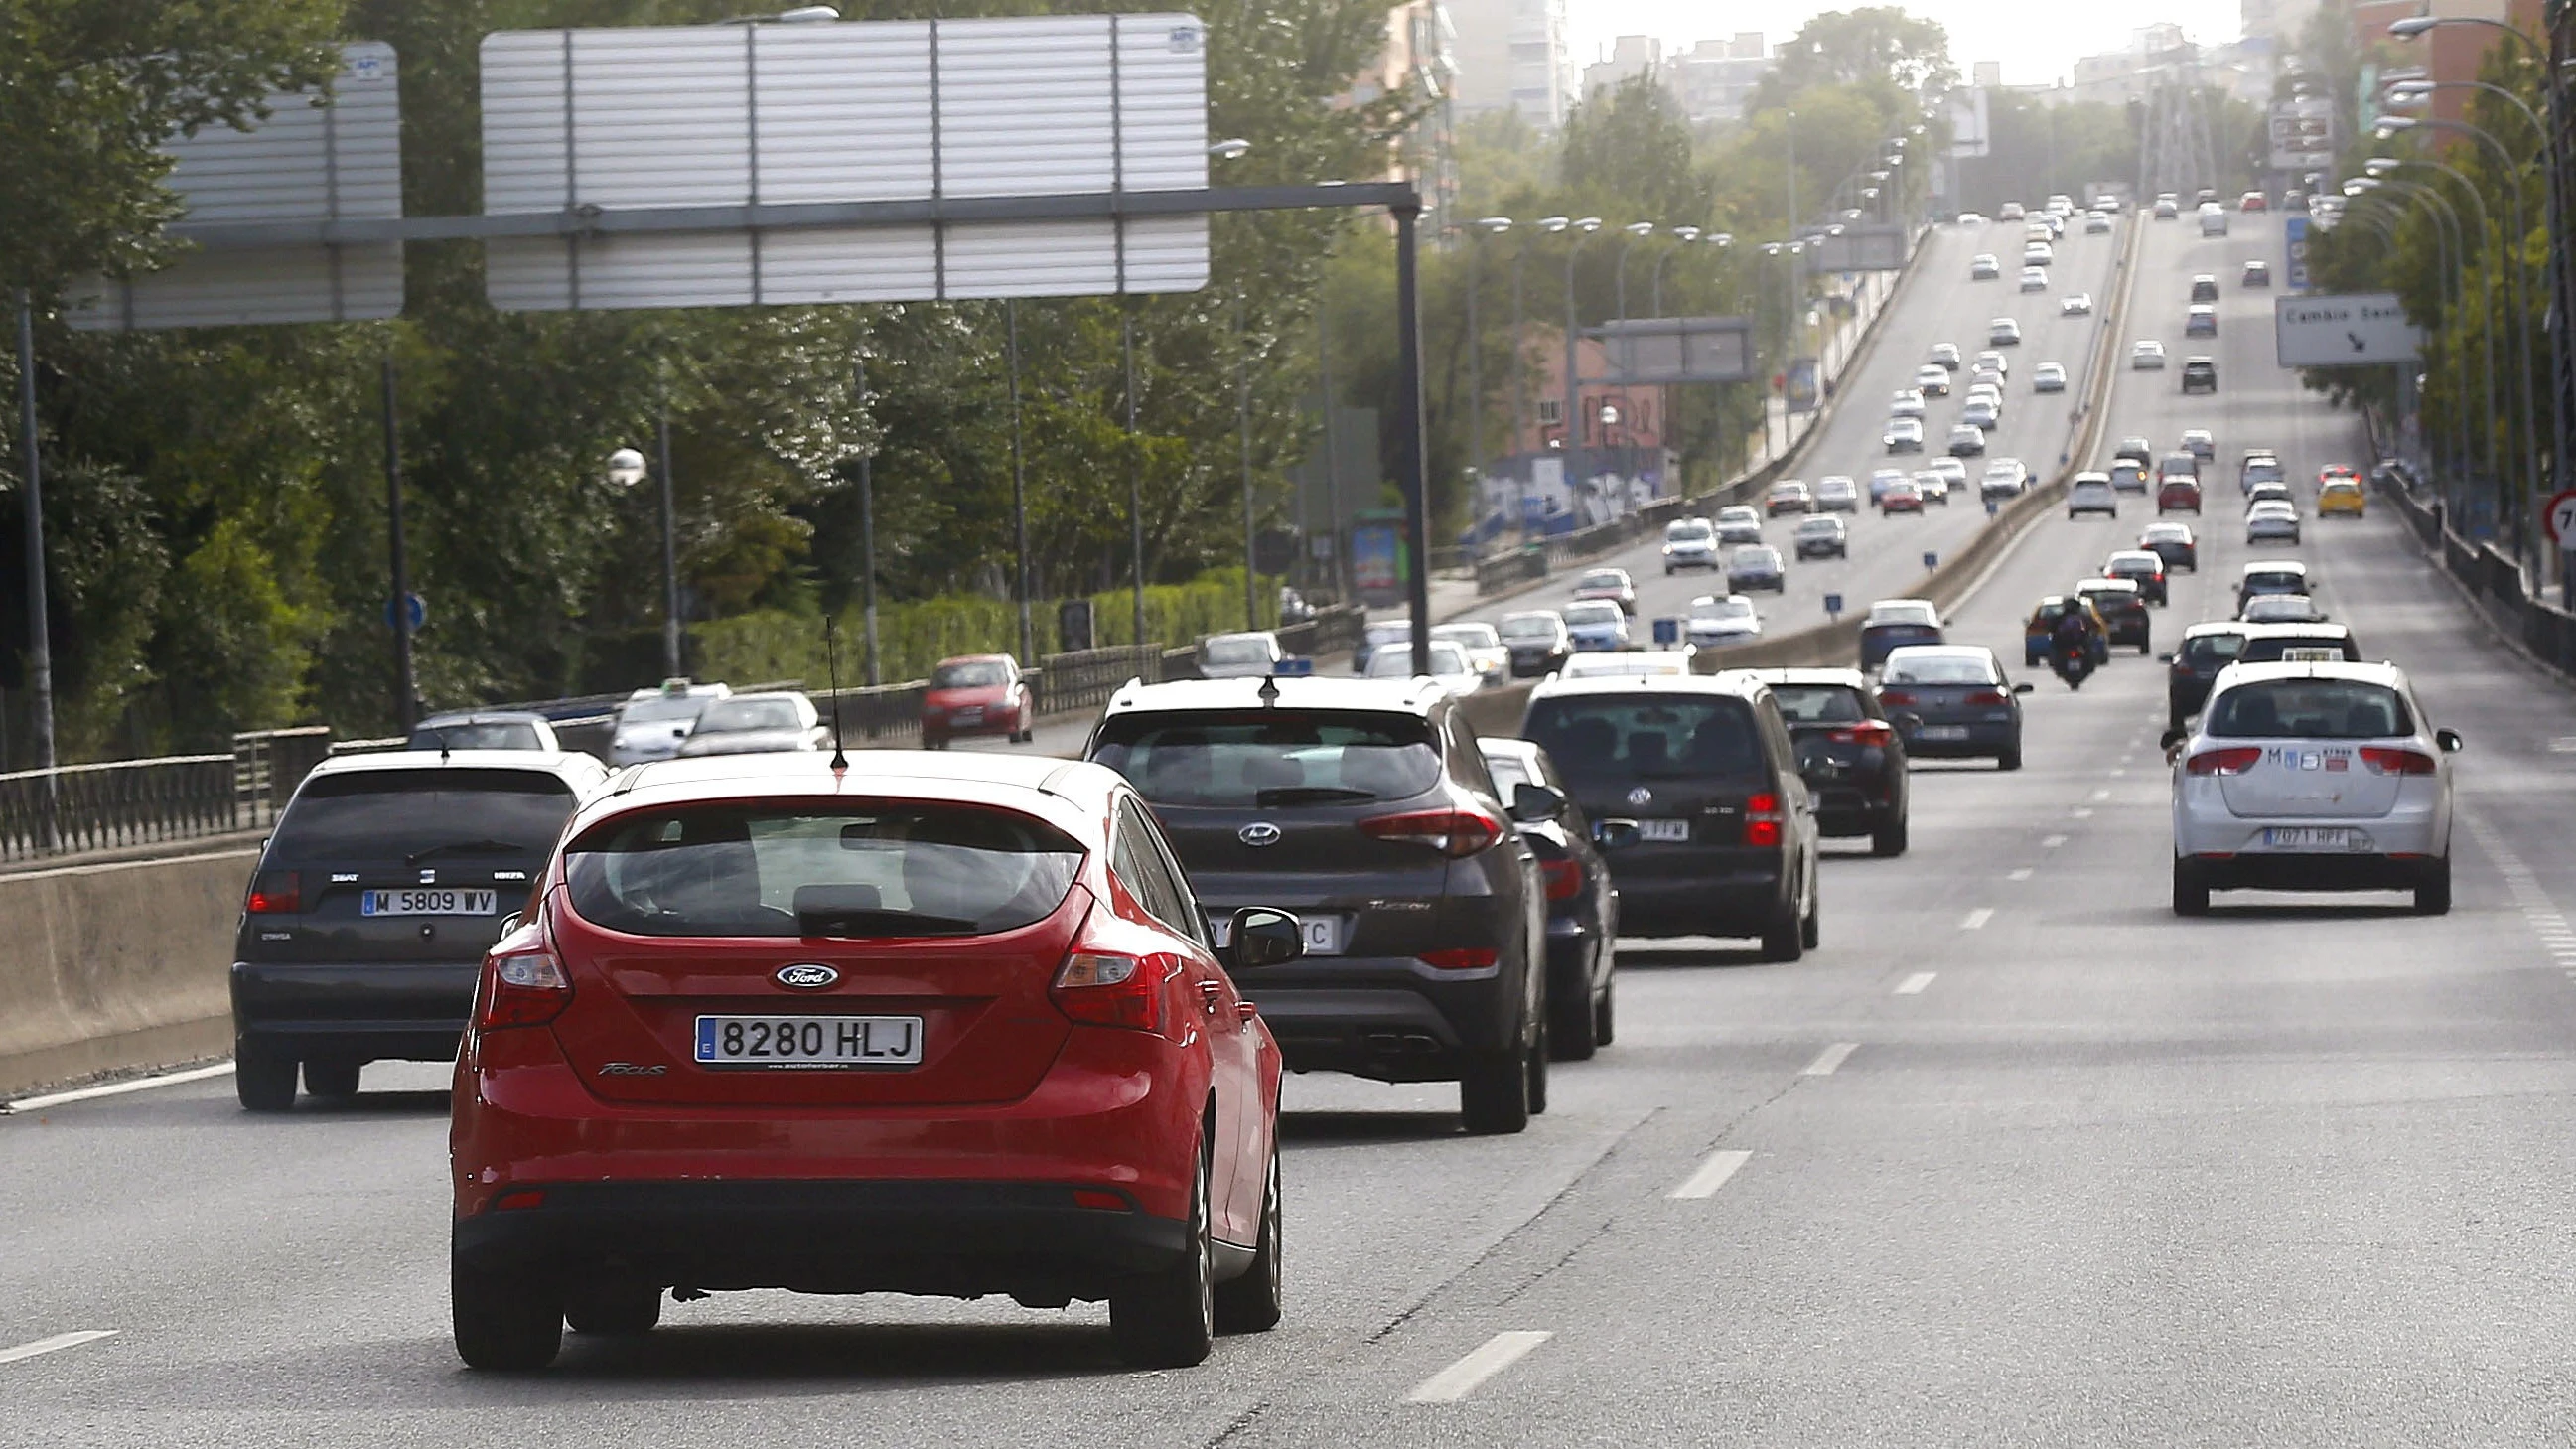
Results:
1819 703
397 814
1592 614
971 674
1260 760
1689 531
1238 651
662 707
1531 626
1942 669
1602 581
1614 739
751 714
860 870
1723 609
2314 709
1470 636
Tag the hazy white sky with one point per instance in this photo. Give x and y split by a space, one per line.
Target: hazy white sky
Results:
2037 40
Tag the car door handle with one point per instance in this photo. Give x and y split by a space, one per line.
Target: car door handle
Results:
1209 992
1245 1011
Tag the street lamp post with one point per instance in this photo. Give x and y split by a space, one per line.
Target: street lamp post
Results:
1637 231
626 468
1483 226
1685 235
2451 257
2490 303
1573 424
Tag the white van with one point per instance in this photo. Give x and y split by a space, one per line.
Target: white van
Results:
2213 220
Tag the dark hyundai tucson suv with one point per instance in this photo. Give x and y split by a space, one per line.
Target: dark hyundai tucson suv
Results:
1848 750
1365 807
387 878
1702 772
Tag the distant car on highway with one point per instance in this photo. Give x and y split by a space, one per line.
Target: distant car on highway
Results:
1722 619
2075 304
1484 646
1934 486
1789 495
2248 812
2096 223
2048 377
1251 654
1689 543
1882 479
2259 465
2206 648
483 730
1967 441
1596 624
2167 208
2128 475
1837 493
1822 536
2272 521
2004 479
1452 667
2201 320
2199 443
2256 274
2342 497
2138 448
1904 435
978 694
1907 403
1900 496
2123 608
2145 568
2091 493
2177 493
2199 374
1996 361
2272 576
1946 356
2147 355
1613 584
1953 701
2253 201
2034 279
1932 380
758 723
2172 542
1538 641
1851 756
2204 288
1756 566
1737 523
1984 267
1981 413
652 722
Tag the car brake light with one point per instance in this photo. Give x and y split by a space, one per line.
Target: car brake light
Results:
275 892
1988 696
1454 833
1867 732
522 988
1105 990
1460 958
1564 878
2387 760
1895 696
2230 760
1762 819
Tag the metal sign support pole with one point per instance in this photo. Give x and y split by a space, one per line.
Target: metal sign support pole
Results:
868 534
1411 462
1019 482
672 664
1243 426
1135 471
406 682
40 649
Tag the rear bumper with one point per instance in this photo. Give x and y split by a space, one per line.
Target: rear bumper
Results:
1389 1021
945 1237
1719 900
372 1012
2316 872
1985 738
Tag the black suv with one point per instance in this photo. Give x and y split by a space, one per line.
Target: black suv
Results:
2199 374
1582 903
1692 782
2206 649
1365 807
386 880
1850 753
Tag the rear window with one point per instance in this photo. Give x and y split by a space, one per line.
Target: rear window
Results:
1271 758
1943 669
979 674
1819 703
501 735
1530 626
1895 636
2276 648
854 870
1595 613
423 814
2313 709
1238 651
750 714
1613 739
2212 648
2278 581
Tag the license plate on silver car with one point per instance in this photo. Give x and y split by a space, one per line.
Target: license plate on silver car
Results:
1323 933
809 1041
2313 837
426 901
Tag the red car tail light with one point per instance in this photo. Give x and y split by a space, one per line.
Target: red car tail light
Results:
2230 760
1867 732
2388 760
1762 820
522 988
1989 696
1454 833
1099 989
1460 958
1564 878
275 892
1895 696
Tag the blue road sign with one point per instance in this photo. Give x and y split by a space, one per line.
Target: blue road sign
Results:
2294 266
1833 603
1931 561
419 612
1668 631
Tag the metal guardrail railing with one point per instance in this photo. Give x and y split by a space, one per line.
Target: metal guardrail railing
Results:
73 809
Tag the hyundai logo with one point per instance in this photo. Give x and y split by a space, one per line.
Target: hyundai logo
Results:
1641 797
807 976
1259 833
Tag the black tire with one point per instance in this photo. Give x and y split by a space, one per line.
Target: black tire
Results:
504 1322
2144 646
1167 1319
2433 892
334 1079
2009 759
1251 1303
2190 888
1605 1015
1811 931
1534 1066
1888 838
1493 1093
263 1078
1784 939
1572 1035
618 1310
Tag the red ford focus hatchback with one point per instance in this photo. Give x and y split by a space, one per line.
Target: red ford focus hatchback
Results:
929 1024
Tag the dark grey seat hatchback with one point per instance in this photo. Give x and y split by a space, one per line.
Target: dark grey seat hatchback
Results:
387 878
1692 785
1365 807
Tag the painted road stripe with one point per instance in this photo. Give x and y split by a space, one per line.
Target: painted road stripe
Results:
1830 1058
1712 1174
2052 842
1491 1357
1913 985
58 1341
2101 794
1977 919
2081 813
2021 874
117 1089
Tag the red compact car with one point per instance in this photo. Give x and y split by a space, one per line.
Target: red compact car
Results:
977 694
2177 495
950 1027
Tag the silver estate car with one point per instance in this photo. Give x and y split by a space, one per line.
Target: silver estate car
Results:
2312 775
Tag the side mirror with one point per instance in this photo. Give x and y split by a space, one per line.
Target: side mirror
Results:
1264 936
1532 804
1905 720
2171 738
2024 687
1612 835
2450 741
2164 659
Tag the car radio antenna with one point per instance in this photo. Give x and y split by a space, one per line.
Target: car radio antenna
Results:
832 661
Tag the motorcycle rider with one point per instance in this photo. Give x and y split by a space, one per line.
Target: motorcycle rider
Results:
2072 644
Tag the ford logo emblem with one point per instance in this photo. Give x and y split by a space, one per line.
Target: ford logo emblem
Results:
1259 833
1641 797
807 976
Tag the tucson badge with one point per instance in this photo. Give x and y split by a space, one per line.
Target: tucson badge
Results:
807 976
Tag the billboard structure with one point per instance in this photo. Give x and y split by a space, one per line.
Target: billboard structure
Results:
1663 350
314 159
2362 329
2301 135
1857 247
736 124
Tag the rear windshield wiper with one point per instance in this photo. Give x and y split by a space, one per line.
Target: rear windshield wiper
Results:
467 847
856 924
1309 795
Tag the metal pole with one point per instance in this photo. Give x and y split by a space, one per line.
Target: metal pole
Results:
1573 425
873 670
1520 391
40 646
671 661
406 688
1332 451
1135 473
1411 456
1243 425
1475 379
1019 480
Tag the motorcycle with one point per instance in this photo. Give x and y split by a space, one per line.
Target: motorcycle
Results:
2074 664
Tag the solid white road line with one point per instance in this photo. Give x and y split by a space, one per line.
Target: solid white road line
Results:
58 1341
1712 1174
116 1089
2052 842
1977 919
2021 874
1830 1058
2082 813
1491 1357
1913 985
2101 794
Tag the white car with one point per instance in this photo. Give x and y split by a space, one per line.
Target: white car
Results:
2048 377
1666 662
1451 667
2002 332
2096 222
1904 435
1837 493
2038 254
1980 413
1953 471
1484 646
1970 218
2004 478
653 723
2075 304
1984 268
1932 380
2148 355
2272 521
1723 619
1739 523
1690 543
1908 403
2091 493
1993 360
1932 487
1966 440
2312 776
2034 279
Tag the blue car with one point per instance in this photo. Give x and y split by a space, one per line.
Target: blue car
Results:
1597 625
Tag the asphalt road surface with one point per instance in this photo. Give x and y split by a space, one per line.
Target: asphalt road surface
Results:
2017 1158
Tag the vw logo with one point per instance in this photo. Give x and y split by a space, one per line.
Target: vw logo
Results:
1641 797
1259 833
807 976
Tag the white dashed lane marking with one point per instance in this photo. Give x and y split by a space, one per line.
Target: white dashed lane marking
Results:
1712 1174
1913 985
54 1344
1830 1058
1977 919
1491 1357
2021 874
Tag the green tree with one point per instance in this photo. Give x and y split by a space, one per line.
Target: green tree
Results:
1874 45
